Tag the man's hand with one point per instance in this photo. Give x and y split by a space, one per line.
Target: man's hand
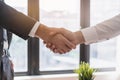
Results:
74 37
61 43
71 36
54 36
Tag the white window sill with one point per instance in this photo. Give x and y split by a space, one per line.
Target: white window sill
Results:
99 76
107 76
49 77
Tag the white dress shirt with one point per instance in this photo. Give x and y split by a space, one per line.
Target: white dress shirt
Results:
102 31
34 29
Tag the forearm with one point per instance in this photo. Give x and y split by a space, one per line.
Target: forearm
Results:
80 37
102 31
15 21
42 31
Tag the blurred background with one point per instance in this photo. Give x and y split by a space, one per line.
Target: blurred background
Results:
66 14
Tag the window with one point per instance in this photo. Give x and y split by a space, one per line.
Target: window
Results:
59 13
18 47
66 14
103 54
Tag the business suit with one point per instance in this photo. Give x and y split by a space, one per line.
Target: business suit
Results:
15 21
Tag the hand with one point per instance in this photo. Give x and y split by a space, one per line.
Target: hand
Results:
52 35
76 38
61 43
71 36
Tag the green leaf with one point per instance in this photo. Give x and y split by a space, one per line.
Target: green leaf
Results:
85 72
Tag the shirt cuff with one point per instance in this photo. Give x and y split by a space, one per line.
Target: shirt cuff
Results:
90 35
34 29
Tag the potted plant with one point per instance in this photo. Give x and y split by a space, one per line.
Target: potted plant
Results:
85 72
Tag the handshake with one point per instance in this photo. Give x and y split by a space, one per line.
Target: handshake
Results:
59 40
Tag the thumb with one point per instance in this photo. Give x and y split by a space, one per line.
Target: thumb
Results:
68 34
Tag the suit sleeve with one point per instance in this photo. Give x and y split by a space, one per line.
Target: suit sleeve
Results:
15 21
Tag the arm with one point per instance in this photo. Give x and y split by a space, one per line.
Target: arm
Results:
15 21
102 31
54 36
22 25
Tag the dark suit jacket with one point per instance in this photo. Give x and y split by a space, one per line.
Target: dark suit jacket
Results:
15 21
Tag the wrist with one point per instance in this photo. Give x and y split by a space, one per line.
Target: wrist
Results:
80 37
42 31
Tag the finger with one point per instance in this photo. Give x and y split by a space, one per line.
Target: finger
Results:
44 42
70 36
55 51
53 47
48 45
63 45
64 48
60 43
70 45
67 45
60 51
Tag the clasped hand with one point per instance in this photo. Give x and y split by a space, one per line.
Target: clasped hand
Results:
59 40
62 41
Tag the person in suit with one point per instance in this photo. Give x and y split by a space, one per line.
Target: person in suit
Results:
25 27
100 32
6 68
